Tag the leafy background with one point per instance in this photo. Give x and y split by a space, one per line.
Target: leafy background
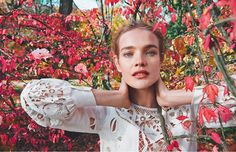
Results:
39 40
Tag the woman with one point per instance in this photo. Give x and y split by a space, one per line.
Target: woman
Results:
126 119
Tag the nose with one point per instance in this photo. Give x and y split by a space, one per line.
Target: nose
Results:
140 61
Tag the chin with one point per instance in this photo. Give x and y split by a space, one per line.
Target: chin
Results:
141 86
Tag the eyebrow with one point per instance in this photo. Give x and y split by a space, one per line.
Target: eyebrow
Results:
151 46
146 47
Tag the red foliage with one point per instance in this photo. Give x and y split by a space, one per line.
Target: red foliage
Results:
224 113
189 83
207 113
112 2
174 145
161 26
35 46
212 92
216 137
207 42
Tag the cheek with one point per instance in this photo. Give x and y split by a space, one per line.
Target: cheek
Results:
155 75
125 72
156 72
124 66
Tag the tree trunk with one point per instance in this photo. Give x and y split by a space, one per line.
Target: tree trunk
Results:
65 9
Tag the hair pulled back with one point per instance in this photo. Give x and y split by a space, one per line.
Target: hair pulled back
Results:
133 25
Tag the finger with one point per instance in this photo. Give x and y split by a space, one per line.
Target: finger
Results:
161 85
123 85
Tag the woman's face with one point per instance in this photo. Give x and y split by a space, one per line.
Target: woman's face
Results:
139 58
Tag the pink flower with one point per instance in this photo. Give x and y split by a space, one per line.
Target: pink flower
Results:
81 68
41 54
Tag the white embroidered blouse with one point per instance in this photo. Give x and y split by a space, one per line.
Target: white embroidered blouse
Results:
56 103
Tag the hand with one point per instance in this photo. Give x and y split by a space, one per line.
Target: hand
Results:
124 94
115 98
172 98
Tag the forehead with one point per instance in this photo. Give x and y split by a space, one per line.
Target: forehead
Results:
137 38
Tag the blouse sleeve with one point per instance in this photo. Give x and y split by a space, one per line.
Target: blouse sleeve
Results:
227 101
57 104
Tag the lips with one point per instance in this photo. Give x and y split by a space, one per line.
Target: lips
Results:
140 74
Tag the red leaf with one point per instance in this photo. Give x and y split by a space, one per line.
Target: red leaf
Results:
181 118
215 149
232 46
225 113
170 147
163 29
112 2
226 90
232 5
70 146
207 42
170 8
212 92
215 137
158 12
203 2
189 83
175 56
4 139
204 20
4 64
209 114
12 141
222 3
173 17
174 144
200 116
161 26
4 32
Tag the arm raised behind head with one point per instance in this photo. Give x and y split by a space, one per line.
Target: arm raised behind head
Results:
172 98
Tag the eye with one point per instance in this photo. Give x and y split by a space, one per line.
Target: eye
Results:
127 54
151 52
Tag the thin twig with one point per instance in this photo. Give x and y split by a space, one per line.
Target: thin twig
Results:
197 43
163 125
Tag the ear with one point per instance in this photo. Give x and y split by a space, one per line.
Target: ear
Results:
116 60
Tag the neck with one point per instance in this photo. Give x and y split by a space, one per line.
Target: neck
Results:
144 97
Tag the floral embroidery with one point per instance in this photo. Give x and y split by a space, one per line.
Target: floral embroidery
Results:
147 119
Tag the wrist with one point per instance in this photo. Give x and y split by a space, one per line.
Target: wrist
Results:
123 98
163 93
